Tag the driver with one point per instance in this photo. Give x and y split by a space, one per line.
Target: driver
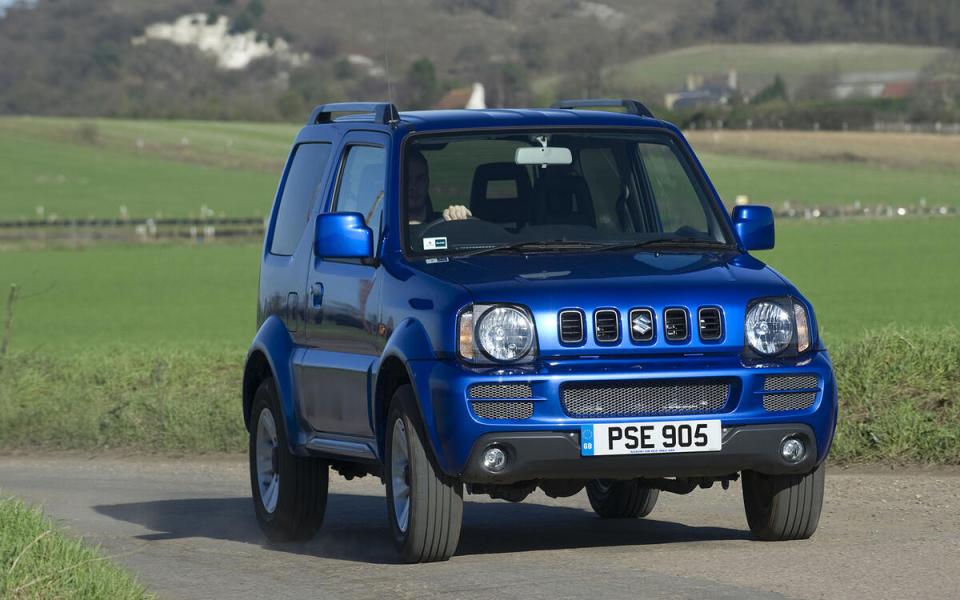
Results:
419 208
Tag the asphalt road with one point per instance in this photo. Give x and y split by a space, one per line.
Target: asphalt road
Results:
187 528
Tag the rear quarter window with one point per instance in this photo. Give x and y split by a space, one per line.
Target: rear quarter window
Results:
300 191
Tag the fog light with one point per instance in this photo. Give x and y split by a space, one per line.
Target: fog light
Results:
494 459
792 450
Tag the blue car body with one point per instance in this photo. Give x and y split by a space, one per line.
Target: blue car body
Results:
339 335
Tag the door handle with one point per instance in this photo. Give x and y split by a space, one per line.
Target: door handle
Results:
316 292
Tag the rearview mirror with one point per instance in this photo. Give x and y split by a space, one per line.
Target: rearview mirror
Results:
543 156
343 235
754 226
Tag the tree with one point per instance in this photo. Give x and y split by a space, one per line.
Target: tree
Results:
775 91
422 89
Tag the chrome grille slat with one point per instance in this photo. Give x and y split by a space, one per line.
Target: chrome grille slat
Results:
606 323
500 410
789 401
675 324
571 326
775 383
628 399
711 323
490 391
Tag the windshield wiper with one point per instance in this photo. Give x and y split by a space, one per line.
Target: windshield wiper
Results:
685 242
537 245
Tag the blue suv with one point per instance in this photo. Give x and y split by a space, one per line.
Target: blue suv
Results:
503 300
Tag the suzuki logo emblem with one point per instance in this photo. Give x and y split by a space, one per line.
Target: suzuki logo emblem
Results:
641 324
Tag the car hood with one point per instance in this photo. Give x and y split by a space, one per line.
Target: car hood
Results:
548 283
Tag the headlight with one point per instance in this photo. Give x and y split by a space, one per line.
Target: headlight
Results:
769 328
498 333
505 333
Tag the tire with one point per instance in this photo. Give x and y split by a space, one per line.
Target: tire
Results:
291 507
424 508
613 499
783 507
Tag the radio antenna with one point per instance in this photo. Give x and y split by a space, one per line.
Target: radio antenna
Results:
386 53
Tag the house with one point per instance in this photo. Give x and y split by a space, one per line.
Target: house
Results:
703 91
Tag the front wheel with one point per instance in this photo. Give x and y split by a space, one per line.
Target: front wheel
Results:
612 499
289 492
425 509
783 507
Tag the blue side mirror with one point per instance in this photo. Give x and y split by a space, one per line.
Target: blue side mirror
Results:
343 235
754 226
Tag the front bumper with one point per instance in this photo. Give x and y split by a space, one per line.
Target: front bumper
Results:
549 438
556 455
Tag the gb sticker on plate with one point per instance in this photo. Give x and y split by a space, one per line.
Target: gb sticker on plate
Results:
437 243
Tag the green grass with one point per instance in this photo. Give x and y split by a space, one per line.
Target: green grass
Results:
45 166
897 387
812 184
52 163
38 561
863 275
860 275
147 400
174 295
899 399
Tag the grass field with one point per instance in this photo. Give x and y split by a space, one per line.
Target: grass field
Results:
38 561
756 64
141 346
860 275
93 167
47 163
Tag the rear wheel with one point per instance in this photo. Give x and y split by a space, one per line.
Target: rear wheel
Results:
612 499
289 492
783 507
425 509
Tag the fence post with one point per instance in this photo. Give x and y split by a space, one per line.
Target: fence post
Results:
8 322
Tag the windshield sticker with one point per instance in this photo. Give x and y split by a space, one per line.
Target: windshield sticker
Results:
437 243
437 259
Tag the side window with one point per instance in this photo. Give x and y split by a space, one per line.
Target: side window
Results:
299 192
362 185
677 200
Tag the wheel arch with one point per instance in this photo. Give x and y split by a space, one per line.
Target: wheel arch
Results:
409 342
270 355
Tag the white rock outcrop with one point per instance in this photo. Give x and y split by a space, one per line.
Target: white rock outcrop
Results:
231 50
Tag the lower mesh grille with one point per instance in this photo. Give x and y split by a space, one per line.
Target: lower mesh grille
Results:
789 401
776 383
503 410
628 399
491 391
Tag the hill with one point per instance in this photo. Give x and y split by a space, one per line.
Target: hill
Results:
136 58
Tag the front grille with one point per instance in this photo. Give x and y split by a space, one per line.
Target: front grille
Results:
571 326
503 410
711 323
789 401
489 391
675 324
776 383
606 322
629 399
641 325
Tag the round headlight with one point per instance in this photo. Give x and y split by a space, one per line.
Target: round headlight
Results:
505 333
769 328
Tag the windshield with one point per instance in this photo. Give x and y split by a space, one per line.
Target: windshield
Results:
550 190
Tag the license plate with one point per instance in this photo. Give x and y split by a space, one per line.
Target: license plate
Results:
651 437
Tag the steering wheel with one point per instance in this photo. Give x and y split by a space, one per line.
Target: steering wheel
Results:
432 224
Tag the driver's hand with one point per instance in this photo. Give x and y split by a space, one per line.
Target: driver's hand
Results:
457 212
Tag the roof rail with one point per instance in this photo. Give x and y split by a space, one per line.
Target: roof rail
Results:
383 112
633 107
